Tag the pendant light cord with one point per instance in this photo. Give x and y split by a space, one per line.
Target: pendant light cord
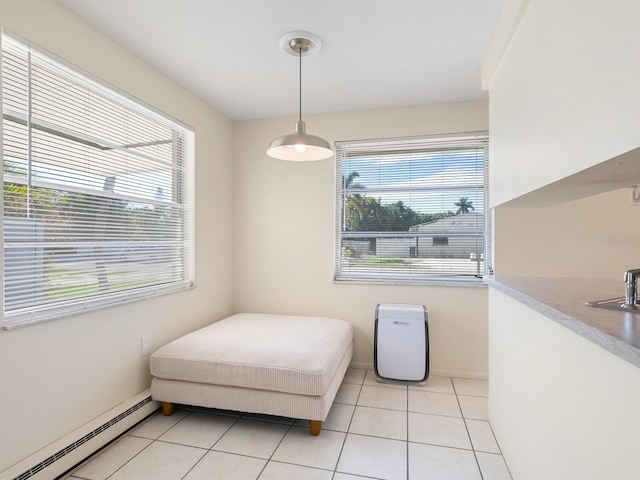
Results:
300 89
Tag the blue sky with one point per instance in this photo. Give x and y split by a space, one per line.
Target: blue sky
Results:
428 183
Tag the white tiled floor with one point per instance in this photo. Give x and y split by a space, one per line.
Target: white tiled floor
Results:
374 431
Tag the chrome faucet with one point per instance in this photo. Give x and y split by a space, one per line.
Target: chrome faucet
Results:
630 288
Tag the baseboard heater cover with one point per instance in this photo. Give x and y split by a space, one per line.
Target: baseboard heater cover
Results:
58 463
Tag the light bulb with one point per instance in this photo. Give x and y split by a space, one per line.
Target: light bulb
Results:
300 147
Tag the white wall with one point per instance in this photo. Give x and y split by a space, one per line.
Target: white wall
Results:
564 97
563 103
594 237
55 377
284 235
565 407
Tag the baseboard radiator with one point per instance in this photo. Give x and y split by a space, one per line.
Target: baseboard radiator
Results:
57 458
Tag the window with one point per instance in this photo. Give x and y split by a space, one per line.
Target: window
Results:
98 192
412 210
440 241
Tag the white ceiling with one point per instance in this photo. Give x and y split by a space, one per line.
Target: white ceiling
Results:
375 53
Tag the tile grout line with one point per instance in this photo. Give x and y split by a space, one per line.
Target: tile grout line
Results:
210 448
153 440
275 449
335 470
407 445
97 453
500 448
292 422
195 464
173 443
466 427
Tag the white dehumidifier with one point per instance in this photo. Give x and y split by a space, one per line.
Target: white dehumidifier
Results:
401 344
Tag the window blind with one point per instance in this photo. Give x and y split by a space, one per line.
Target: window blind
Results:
98 192
412 209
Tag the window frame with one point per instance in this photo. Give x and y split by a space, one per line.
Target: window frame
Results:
402 279
182 165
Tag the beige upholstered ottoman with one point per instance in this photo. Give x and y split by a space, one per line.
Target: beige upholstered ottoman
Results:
281 365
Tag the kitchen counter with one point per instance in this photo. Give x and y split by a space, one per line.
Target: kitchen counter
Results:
563 301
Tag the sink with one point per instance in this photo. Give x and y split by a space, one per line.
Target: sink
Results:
615 304
628 303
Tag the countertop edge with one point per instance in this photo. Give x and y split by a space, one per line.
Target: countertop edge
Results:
616 346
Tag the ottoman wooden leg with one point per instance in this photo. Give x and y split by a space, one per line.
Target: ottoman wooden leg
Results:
314 427
167 408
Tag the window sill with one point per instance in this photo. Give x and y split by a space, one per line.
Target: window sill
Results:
435 282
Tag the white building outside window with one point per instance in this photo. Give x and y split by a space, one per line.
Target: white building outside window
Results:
413 210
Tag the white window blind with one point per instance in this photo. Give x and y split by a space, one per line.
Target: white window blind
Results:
98 192
412 209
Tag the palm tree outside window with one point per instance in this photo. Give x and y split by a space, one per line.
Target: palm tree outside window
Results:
412 209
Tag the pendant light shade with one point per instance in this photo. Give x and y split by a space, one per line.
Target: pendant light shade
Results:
299 146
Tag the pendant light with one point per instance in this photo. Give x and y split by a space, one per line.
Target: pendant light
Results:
299 146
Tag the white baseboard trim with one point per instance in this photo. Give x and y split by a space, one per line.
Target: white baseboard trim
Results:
361 365
434 372
62 455
459 374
